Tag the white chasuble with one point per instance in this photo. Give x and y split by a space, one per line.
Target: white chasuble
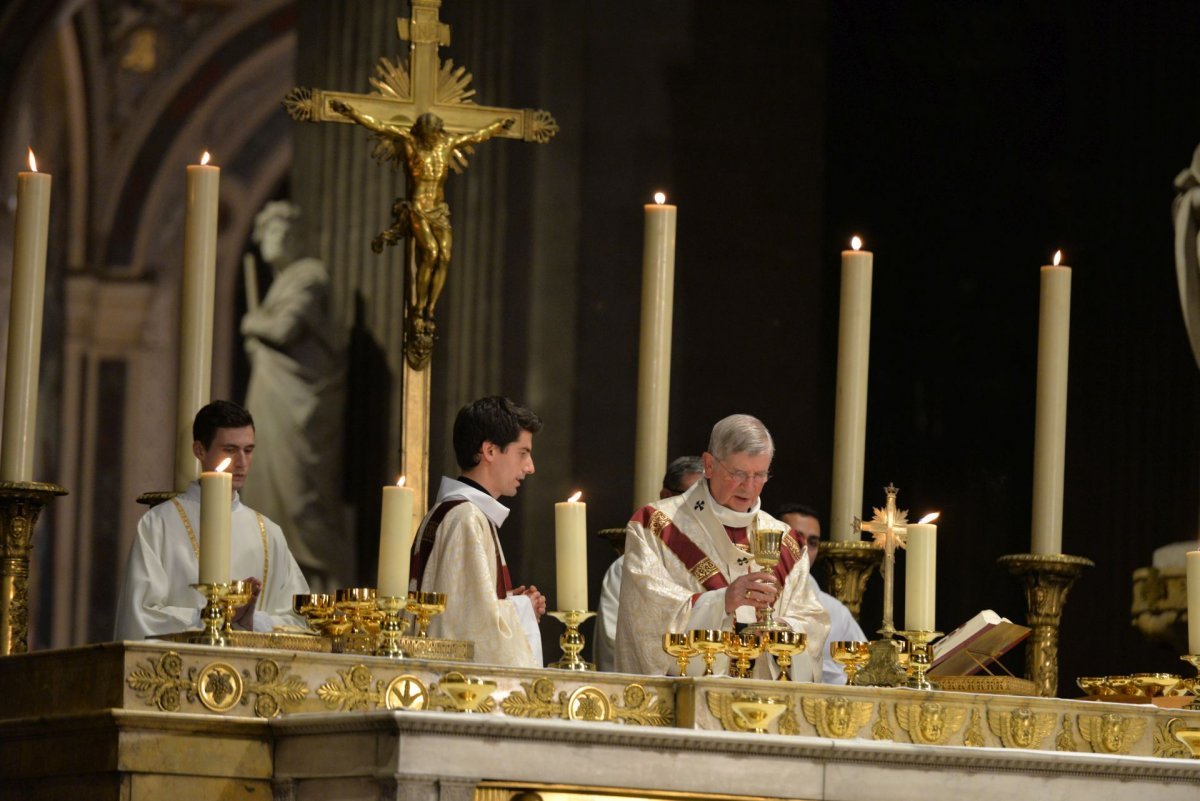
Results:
465 561
679 557
157 597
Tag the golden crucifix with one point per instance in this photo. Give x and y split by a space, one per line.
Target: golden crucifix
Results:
890 527
424 118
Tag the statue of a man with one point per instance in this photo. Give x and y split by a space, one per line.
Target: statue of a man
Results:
296 393
429 154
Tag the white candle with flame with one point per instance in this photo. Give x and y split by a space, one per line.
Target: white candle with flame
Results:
570 551
196 309
920 575
216 509
850 407
1193 601
25 324
395 540
1050 432
654 352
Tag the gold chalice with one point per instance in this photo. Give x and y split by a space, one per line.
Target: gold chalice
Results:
467 693
238 595
742 647
851 655
1153 685
783 645
758 714
764 544
708 643
357 606
679 645
1192 685
425 605
313 607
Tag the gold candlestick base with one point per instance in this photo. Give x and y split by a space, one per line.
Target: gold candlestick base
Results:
20 504
848 567
572 641
919 658
1047 579
392 628
1193 683
212 617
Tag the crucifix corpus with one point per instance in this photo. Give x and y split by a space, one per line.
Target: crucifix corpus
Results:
423 117
890 527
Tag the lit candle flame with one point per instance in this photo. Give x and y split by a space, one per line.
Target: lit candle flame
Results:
221 467
400 481
32 161
1057 257
660 198
855 242
205 158
929 518
578 494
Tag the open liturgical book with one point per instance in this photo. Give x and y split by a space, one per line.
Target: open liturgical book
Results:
975 644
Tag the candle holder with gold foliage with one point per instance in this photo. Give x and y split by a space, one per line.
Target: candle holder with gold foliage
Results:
425 605
212 617
783 645
708 643
1047 579
1193 683
679 645
848 566
919 654
851 655
741 648
392 627
20 504
571 641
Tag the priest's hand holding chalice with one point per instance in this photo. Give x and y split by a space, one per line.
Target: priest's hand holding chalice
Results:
764 544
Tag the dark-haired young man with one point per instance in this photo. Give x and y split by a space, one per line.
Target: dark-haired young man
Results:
157 597
457 550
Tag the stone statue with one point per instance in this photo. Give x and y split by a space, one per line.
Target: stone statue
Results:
296 394
1186 210
429 153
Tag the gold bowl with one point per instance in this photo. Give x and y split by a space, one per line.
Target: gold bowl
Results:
708 643
679 645
852 655
758 715
467 693
1152 685
425 605
238 595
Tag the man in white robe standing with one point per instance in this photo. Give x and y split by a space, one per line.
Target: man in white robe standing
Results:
457 550
157 597
688 563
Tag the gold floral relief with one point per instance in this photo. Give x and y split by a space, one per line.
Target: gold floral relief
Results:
1166 744
640 707
973 738
352 690
535 700
274 692
219 686
588 703
161 682
1065 741
882 730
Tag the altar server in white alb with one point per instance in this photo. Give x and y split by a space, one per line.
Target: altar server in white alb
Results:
164 561
688 563
457 550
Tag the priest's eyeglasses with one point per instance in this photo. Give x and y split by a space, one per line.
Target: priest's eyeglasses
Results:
742 477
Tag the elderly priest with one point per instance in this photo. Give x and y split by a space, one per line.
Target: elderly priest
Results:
688 563
164 561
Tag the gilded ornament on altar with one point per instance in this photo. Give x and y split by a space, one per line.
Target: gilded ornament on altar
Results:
274 692
930 722
1167 743
463 693
352 691
1020 727
535 701
1065 741
219 687
162 684
974 736
836 717
639 707
882 730
1111 733
406 692
588 703
723 707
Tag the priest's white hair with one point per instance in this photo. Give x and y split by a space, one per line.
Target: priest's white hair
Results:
740 433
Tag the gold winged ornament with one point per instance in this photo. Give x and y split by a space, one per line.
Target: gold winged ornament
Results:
1111 733
838 717
930 722
1021 727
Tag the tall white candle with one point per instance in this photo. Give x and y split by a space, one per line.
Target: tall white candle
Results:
25 324
654 352
196 310
850 409
1050 432
216 508
1193 601
570 551
395 540
920 577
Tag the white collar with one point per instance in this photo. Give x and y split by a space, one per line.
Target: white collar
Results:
727 516
492 509
192 493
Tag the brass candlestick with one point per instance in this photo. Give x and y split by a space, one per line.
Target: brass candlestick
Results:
425 605
391 629
20 504
848 567
764 544
708 643
1047 579
919 654
212 617
679 645
784 645
572 641
1193 683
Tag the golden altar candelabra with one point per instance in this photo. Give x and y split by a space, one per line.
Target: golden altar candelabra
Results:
1047 579
20 504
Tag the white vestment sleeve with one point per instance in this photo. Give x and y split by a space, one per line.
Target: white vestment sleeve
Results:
606 617
800 606
151 602
529 625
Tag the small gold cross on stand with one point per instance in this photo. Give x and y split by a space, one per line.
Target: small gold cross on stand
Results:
889 525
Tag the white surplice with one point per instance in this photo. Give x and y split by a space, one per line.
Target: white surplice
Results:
659 594
463 564
163 562
605 631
